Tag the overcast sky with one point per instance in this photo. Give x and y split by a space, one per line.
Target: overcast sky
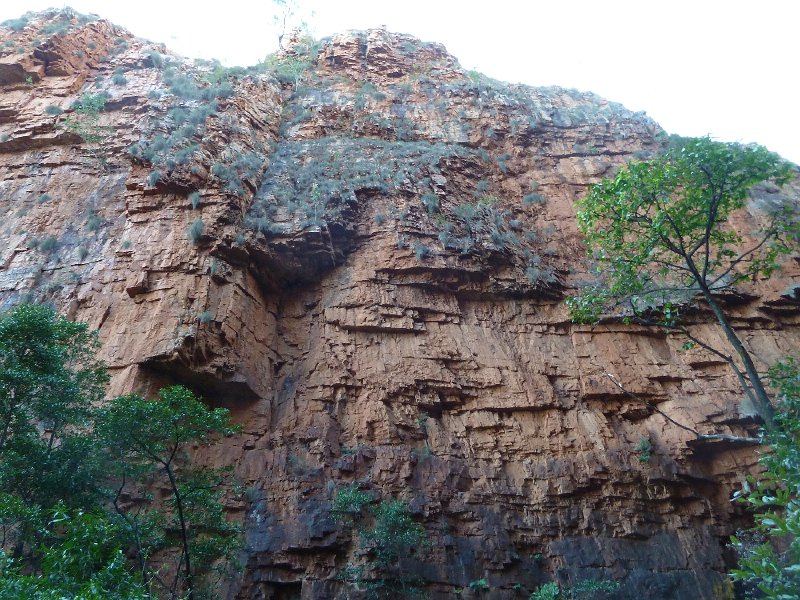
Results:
725 68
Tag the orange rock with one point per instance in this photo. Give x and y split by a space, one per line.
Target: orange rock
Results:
453 379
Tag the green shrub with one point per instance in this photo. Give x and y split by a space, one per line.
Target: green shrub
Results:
85 120
196 230
156 60
48 244
479 585
533 198
394 534
588 589
769 553
339 168
53 110
15 24
119 78
431 203
44 198
392 539
481 188
93 222
349 503
548 591
194 198
644 447
153 178
421 251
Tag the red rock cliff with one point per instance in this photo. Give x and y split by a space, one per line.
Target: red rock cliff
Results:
365 260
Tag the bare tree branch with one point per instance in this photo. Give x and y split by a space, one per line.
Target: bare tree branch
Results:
697 434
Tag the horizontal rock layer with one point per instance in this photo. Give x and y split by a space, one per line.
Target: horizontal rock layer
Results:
366 262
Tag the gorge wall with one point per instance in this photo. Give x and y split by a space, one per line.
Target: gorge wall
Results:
364 255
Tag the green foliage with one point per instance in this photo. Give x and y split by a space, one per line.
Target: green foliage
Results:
44 198
193 521
660 229
196 230
769 554
421 251
533 198
430 202
394 534
93 220
156 60
236 168
194 102
390 542
81 556
15 24
65 464
349 503
119 78
588 589
53 110
48 375
318 180
48 244
293 66
480 223
644 448
661 234
85 118
479 585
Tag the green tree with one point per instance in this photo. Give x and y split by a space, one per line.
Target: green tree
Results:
661 234
75 478
288 18
50 379
51 468
157 448
769 553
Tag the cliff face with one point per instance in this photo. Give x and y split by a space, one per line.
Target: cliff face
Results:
365 260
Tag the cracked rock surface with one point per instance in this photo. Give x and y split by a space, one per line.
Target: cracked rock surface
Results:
375 289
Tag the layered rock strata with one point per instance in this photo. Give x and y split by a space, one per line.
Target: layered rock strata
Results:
364 256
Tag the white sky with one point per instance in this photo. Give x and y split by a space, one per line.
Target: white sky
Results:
725 68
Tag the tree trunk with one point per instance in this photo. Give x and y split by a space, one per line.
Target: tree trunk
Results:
760 397
184 533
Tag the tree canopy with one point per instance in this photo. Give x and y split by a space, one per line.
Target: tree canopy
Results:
77 519
661 233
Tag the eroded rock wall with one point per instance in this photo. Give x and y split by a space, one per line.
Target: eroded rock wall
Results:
375 290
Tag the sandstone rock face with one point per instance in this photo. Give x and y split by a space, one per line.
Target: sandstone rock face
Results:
367 263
